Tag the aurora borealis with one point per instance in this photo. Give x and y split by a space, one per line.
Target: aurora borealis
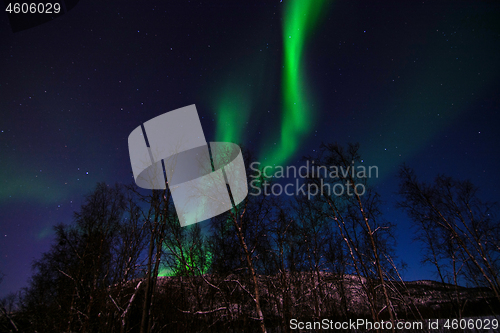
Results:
297 113
299 19
412 82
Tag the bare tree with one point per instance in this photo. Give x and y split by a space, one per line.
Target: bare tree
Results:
458 230
160 210
241 216
72 283
358 219
7 305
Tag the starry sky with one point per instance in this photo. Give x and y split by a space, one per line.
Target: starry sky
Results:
413 82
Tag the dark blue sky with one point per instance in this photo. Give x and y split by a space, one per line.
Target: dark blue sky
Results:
411 81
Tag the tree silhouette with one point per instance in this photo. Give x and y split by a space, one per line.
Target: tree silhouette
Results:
459 232
70 287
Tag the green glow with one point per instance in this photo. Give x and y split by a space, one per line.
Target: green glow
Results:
247 85
166 272
194 264
22 184
233 110
297 117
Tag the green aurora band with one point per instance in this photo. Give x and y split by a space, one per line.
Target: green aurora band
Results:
188 270
238 98
233 110
297 117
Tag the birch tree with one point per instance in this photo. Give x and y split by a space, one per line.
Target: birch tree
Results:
459 231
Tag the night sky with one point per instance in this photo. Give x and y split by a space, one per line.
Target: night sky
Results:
413 82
